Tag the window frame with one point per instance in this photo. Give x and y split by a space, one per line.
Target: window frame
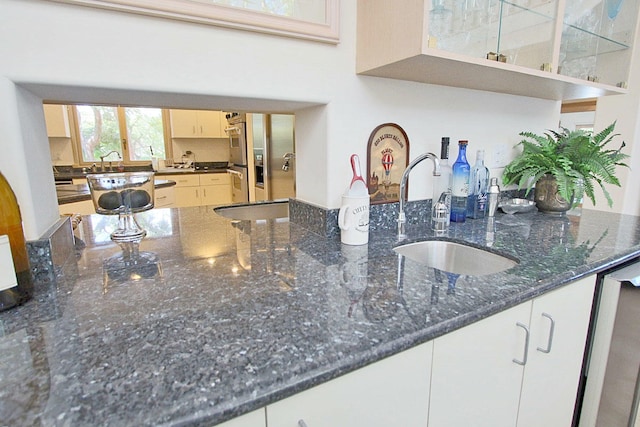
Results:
76 139
229 17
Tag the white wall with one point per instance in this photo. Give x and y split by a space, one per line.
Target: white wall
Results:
581 119
69 53
205 150
61 151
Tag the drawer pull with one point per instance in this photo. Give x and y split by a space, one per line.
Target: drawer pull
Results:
552 327
526 345
161 197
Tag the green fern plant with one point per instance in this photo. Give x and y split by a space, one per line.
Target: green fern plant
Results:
574 158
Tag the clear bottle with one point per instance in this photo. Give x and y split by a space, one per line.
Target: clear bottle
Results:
11 226
478 187
442 184
460 184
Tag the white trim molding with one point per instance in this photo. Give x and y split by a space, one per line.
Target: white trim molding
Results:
230 17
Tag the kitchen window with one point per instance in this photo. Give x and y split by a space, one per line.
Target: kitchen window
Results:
134 133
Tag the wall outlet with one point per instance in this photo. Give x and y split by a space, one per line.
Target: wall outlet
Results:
500 155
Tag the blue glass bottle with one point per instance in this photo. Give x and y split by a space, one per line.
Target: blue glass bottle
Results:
460 184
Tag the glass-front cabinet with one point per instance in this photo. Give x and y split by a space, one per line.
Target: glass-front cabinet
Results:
597 37
553 49
518 32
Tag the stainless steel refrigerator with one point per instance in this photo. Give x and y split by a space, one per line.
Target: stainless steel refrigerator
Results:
274 154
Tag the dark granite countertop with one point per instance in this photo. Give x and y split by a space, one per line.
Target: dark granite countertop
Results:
247 313
66 173
69 193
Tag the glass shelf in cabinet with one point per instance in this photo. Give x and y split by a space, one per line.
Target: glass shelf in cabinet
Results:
577 43
596 19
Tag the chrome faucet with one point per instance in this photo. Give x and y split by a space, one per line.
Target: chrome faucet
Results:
403 185
107 155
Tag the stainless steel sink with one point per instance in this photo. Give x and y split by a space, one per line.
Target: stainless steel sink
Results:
456 258
255 211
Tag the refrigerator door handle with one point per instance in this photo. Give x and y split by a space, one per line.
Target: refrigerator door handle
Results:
232 172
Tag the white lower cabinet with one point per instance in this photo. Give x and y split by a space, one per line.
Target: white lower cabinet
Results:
551 378
252 419
520 367
201 189
164 197
391 392
474 381
84 207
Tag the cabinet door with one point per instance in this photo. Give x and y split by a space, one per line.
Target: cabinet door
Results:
184 123
185 180
523 33
187 196
252 419
84 207
210 125
215 179
391 392
78 181
559 322
164 197
215 194
475 381
597 40
57 121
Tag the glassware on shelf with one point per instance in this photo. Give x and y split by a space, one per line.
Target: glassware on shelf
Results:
596 40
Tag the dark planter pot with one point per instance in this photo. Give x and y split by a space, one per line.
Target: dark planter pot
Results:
547 198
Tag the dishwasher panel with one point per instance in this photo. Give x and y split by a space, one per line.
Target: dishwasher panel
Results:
613 371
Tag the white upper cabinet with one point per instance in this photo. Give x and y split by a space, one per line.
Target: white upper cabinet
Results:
57 120
550 49
197 124
597 39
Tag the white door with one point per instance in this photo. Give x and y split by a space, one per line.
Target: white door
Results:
391 392
252 419
559 322
475 381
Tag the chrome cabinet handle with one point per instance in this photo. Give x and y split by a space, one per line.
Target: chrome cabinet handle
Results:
552 327
526 345
301 423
